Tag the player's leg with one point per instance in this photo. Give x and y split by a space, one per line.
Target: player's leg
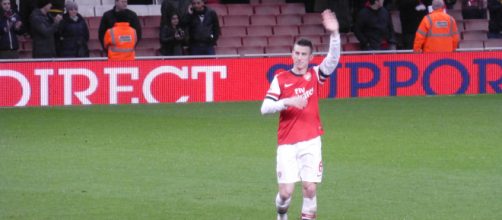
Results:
283 199
309 207
310 160
287 176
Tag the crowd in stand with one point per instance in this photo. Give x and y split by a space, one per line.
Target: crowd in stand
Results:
191 27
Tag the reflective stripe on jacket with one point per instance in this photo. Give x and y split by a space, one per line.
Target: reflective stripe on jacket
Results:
437 33
120 41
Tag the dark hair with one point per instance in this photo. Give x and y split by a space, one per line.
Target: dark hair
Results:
372 2
306 43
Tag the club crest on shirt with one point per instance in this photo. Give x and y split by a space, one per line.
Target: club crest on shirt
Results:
307 76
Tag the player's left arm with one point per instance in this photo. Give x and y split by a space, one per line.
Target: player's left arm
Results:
330 62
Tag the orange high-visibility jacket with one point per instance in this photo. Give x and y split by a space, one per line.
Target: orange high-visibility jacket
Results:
437 33
120 41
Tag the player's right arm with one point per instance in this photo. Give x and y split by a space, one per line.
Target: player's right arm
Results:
272 102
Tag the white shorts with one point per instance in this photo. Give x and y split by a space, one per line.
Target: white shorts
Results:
300 162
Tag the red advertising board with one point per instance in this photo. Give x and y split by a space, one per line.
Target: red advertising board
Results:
242 79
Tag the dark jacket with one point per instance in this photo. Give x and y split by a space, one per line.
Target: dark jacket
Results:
203 33
109 19
170 44
73 37
410 17
8 38
373 27
495 23
43 30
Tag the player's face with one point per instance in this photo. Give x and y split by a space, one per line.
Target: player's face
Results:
198 5
301 55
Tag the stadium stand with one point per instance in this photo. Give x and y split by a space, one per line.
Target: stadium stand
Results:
292 9
267 9
281 40
476 24
233 31
491 43
278 49
474 35
289 30
239 9
470 44
251 50
263 20
236 20
255 41
289 19
259 31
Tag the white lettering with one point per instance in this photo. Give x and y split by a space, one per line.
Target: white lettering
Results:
25 85
114 87
209 70
44 85
147 92
68 85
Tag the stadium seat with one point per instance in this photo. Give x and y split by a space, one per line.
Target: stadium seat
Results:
293 8
229 41
220 9
322 48
93 22
251 50
278 49
94 44
25 54
273 2
460 26
239 9
471 44
312 18
96 53
233 31
315 39
152 21
267 10
154 10
254 2
396 21
476 24
456 14
289 30
145 44
259 30
254 41
150 32
145 52
87 2
474 35
491 43
99 10
236 20
281 40
108 2
351 38
93 33
312 30
351 47
86 10
226 51
27 46
141 10
289 20
263 20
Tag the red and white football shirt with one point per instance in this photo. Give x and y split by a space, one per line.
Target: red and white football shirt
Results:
296 125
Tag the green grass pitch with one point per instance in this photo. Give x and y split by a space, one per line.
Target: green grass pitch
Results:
384 158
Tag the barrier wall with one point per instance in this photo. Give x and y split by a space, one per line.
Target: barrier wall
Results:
242 79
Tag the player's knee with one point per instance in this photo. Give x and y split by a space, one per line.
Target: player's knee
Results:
309 190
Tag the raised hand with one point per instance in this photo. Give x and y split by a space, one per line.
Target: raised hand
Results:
329 21
296 101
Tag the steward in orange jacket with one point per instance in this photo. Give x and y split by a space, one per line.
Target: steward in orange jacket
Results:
437 33
120 41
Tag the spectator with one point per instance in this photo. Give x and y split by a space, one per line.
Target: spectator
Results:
25 9
172 38
374 28
450 3
121 39
204 28
495 23
43 30
73 33
170 7
342 11
411 13
10 26
474 9
437 32
110 17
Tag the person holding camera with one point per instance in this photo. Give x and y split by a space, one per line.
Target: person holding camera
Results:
172 37
73 33
10 27
43 30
